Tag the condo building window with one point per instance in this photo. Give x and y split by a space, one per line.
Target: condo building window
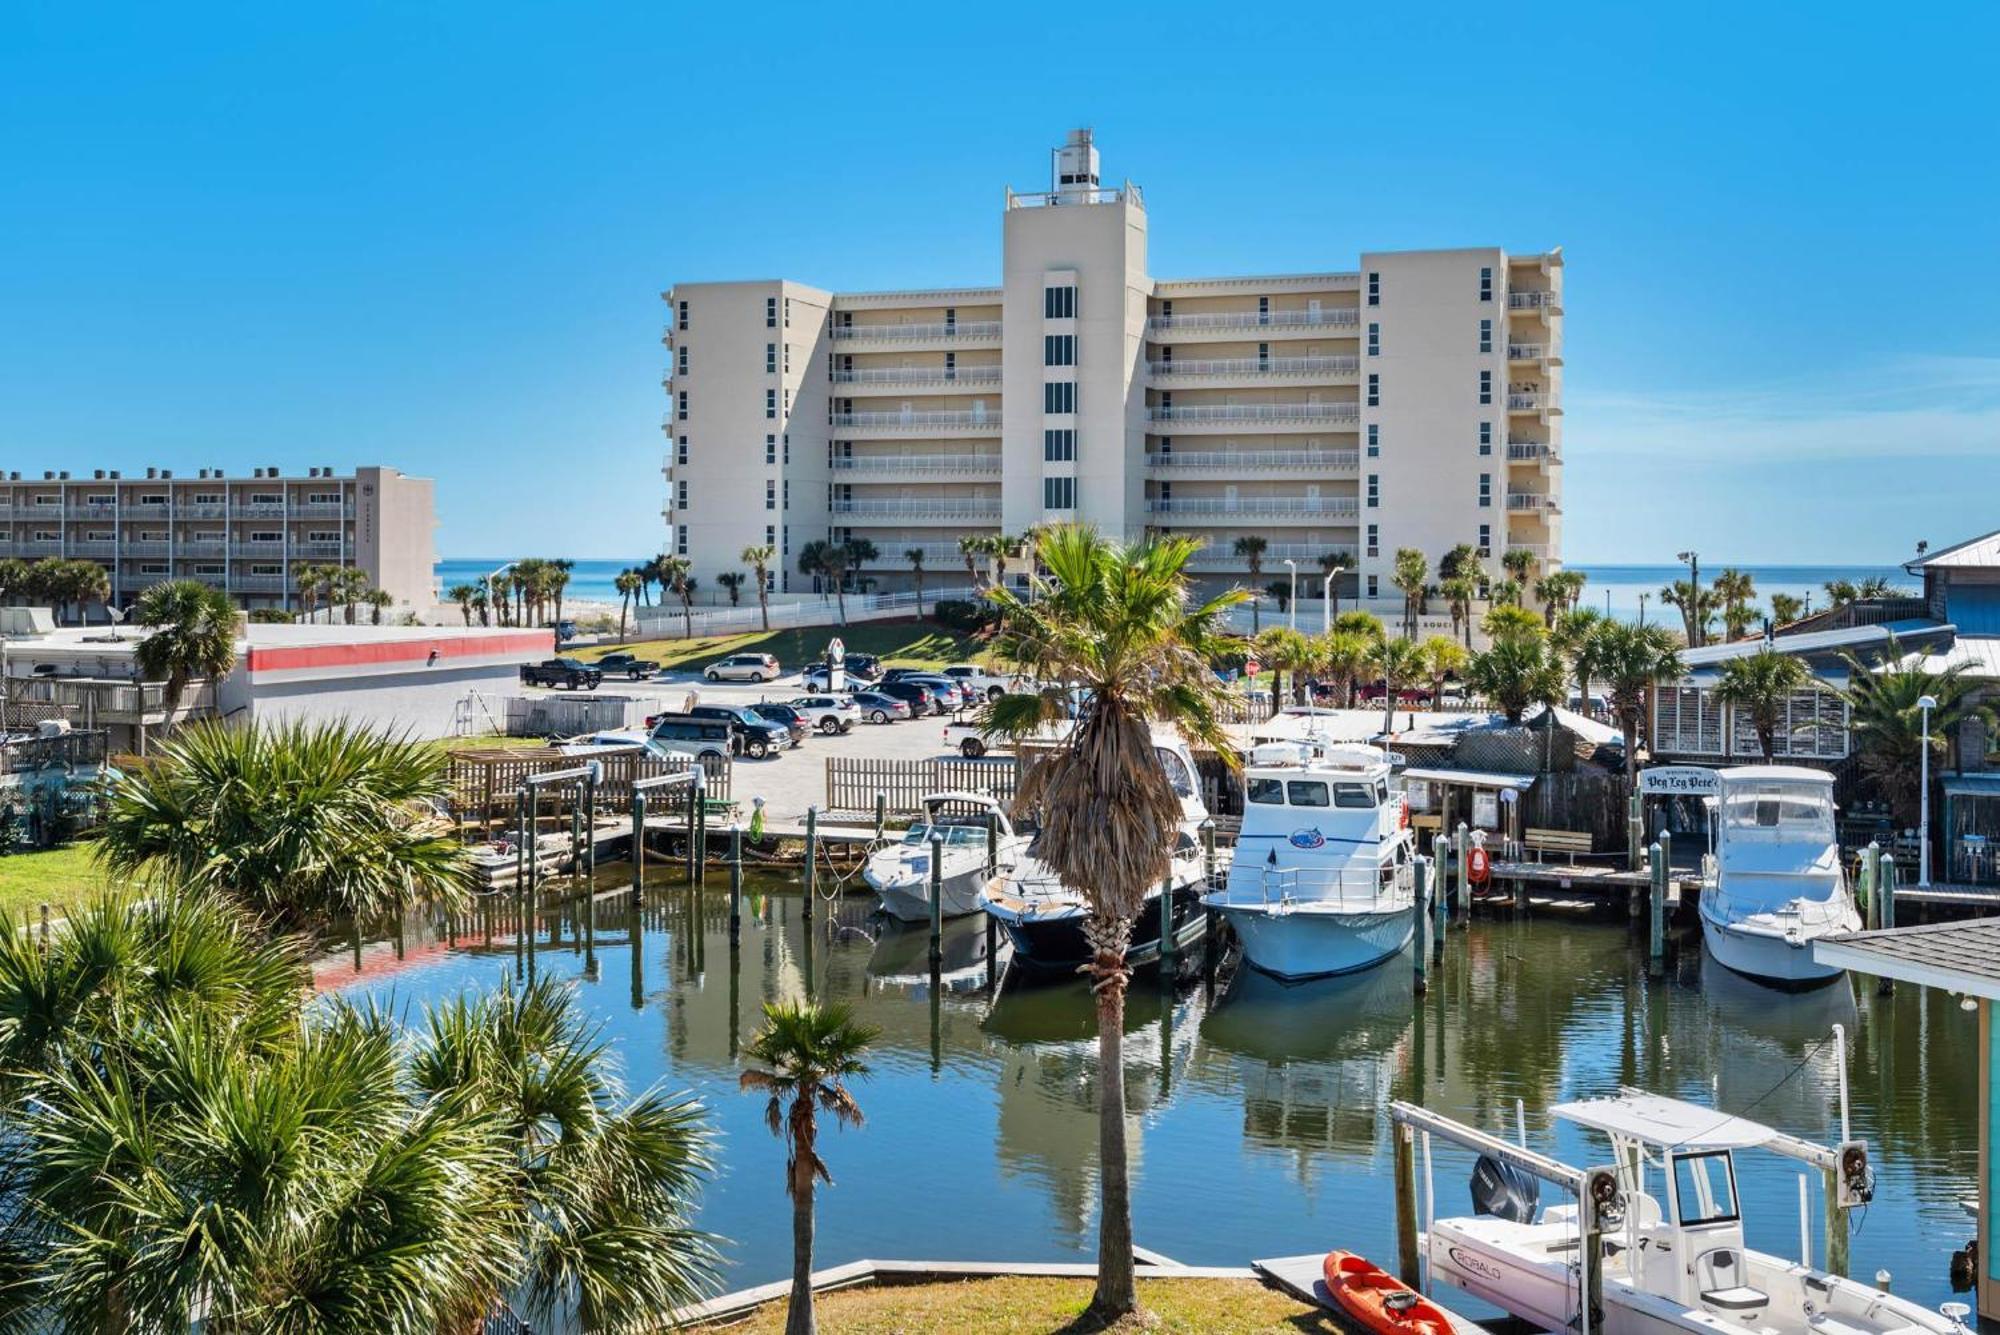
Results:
1486 387
785 542
681 360
1374 491
1374 289
770 536
204 569
680 540
1059 350
771 404
266 498
788 493
1059 303
1485 491
788 312
788 359
159 568
1263 310
47 535
1059 446
1486 539
267 535
681 495
267 570
1486 336
57 500
1167 309
770 449
1374 339
786 440
1374 547
1486 285
1374 441
770 358
1374 391
1486 438
681 451
322 535
1374 588
211 498
1059 396
322 498
682 322
681 406
1059 493
788 400
770 312
770 494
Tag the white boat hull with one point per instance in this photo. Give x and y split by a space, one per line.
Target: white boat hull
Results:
908 898
1316 940
1768 953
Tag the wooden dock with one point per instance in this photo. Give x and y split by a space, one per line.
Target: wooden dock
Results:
1598 882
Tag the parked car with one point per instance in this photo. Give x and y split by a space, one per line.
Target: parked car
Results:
627 666
921 699
744 667
626 740
970 742
878 707
748 734
816 676
829 713
794 721
567 673
703 736
950 693
983 683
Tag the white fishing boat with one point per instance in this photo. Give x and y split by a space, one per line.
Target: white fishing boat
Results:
1668 1224
1774 883
900 874
1322 881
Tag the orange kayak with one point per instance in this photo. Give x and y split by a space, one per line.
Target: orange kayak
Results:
1378 1301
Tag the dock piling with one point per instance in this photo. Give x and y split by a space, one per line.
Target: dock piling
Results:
694 802
1836 1222
1404 1138
1656 926
735 884
700 830
1886 985
1420 956
812 864
1167 950
1635 831
638 844
1461 842
881 815
937 906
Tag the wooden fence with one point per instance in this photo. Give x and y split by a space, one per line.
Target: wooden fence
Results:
853 781
483 782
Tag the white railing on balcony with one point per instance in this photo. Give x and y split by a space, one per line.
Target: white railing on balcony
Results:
103 512
910 507
1326 317
938 556
917 463
1224 366
319 549
31 547
1257 412
308 510
1530 301
1529 452
262 510
255 583
918 375
1529 500
1526 352
1526 402
1255 505
201 548
912 331
1056 199
1221 554
92 547
144 548
1538 550
1252 460
953 417
205 510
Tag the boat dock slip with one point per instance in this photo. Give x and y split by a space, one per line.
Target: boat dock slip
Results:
1600 881
1301 1277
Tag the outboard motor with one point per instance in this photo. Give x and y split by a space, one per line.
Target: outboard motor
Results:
1504 1191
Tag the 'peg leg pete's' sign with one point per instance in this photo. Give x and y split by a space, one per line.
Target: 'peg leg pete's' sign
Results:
1679 781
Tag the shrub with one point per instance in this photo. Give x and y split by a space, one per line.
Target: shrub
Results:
271 616
961 615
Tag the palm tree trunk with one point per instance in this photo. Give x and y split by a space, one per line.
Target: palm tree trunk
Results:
800 1319
624 606
1117 1289
687 615
763 600
1388 706
920 590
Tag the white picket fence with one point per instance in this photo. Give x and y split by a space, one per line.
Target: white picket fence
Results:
667 622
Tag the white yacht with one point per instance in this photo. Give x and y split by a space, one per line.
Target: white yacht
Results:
1322 881
901 873
1774 883
1673 1263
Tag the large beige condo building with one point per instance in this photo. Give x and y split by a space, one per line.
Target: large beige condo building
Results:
248 536
1412 402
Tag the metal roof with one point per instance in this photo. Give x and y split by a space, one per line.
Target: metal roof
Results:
1974 552
1957 956
1817 641
1659 1120
1473 778
1978 655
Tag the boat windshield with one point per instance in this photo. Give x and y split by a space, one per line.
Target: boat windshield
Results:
1360 796
954 836
1775 804
1178 775
1705 1188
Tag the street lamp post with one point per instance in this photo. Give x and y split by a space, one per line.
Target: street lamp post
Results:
1925 703
1326 599
1292 602
1693 560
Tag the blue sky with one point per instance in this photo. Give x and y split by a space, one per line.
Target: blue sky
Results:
434 236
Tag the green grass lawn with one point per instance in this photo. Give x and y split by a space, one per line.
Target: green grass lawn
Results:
58 877
1211 1306
910 643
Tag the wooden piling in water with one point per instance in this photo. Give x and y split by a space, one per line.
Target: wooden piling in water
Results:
1836 1223
1886 985
937 906
881 814
693 819
1656 927
735 884
1404 1140
1461 843
812 863
1420 954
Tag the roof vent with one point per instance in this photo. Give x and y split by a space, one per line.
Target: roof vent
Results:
98 475
166 472
65 475
115 475
152 473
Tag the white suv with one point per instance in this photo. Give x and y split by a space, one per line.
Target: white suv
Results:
744 667
829 714
984 684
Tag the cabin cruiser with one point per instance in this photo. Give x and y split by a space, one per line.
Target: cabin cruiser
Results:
1323 880
900 874
1774 883
1673 1258
1044 918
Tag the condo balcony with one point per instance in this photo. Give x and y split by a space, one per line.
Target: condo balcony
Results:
185 548
916 332
1534 353
1548 302
1326 317
1193 368
1533 501
897 376
906 509
1059 199
1277 415
1220 554
1273 509
901 423
1254 461
92 547
1531 401
1539 550
37 547
958 465
940 558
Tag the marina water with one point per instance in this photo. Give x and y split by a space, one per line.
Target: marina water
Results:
1259 1112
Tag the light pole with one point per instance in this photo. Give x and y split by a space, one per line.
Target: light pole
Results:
1693 560
1326 596
1292 602
1925 703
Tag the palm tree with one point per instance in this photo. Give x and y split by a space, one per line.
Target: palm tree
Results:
89 583
482 605
627 583
1786 608
1574 637
1118 622
1696 605
378 600
1329 564
812 1053
1519 563
1735 590
557 581
915 556
861 552
1399 662
1633 661
306 824
1886 722
972 548
15 577
194 635
1443 657
732 580
1280 591
758 558
1410 574
1505 593
1760 687
1549 592
1458 593
829 560
1286 651
1361 622
1000 547
462 594
350 585
1345 655
1518 671
1505 621
1251 548
676 573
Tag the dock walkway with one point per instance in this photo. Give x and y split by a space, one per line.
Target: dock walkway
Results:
1300 1276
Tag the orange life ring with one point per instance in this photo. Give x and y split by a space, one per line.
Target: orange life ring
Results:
1478 866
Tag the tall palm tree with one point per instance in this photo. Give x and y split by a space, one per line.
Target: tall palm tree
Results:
1344 655
353 586
1000 547
1696 606
306 824
1633 660
15 577
482 605
828 560
193 634
1574 636
1511 621
676 573
915 556
758 558
1329 563
558 581
812 1053
627 583
1399 662
861 552
89 583
1362 622
1519 563
1518 671
1458 593
732 580
1411 575
1119 622
1786 608
972 548
1251 547
379 601
1760 687
1443 657
463 594
1735 590
1285 650
1886 722
1505 593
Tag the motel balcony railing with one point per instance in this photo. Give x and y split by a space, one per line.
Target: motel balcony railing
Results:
1532 452
1531 301
1331 506
1531 501
1257 412
1527 352
1250 461
1221 554
918 375
1191 367
1327 317
976 464
945 418
1056 199
1529 402
914 331
924 507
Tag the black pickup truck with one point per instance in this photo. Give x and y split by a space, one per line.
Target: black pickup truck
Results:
570 673
634 669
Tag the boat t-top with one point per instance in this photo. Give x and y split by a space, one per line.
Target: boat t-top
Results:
1322 881
1667 1221
900 874
1775 884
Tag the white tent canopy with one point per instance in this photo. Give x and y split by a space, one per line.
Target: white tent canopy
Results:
1658 1120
